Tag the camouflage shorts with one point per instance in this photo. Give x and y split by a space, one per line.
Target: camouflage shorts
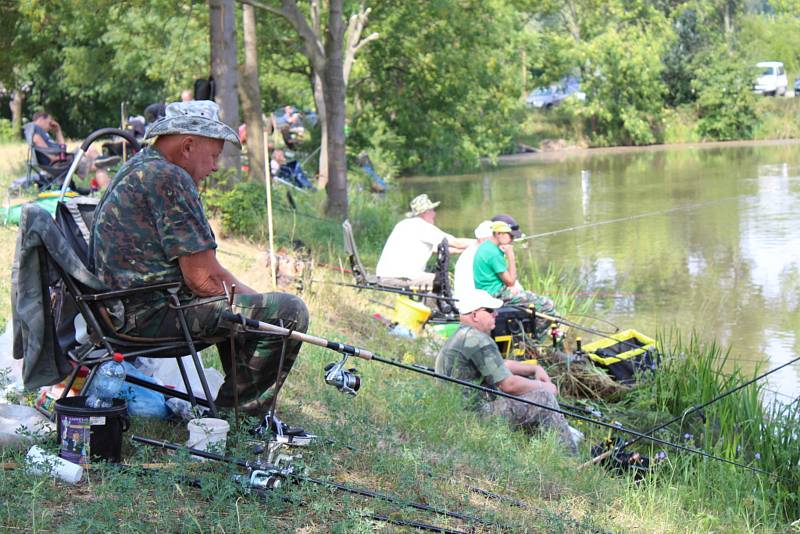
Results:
257 355
530 417
541 303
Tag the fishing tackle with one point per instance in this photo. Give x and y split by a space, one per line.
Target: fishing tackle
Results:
258 326
268 476
345 381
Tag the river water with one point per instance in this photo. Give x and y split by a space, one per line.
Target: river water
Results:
695 238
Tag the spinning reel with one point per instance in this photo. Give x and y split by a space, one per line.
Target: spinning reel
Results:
345 381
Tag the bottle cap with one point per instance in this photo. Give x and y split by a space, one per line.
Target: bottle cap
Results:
118 357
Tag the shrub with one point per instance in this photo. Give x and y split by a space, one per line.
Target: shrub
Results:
7 133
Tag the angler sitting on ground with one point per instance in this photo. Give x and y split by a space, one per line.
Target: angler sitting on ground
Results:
410 245
471 354
150 227
495 270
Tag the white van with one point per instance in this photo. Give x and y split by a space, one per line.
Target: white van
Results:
772 79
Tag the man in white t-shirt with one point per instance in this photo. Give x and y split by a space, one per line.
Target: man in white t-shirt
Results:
410 245
464 280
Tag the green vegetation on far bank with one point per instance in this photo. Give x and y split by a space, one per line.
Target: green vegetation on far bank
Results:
557 128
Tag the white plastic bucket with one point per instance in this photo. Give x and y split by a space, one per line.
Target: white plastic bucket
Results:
208 434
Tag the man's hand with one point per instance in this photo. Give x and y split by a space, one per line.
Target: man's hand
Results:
541 375
508 250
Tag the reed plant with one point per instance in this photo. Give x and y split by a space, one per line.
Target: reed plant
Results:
743 427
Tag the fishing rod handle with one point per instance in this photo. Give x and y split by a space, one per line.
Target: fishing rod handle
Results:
298 336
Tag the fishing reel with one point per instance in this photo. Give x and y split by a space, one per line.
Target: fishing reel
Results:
345 381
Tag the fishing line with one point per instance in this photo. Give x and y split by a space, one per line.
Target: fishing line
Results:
698 407
623 219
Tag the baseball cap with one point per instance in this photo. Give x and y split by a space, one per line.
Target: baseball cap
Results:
483 230
475 299
514 227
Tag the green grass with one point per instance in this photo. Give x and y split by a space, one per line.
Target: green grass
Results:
413 437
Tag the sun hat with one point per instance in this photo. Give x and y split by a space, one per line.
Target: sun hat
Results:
196 117
515 231
483 230
477 298
421 204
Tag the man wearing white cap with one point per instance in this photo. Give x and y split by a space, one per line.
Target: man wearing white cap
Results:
463 278
402 262
150 227
471 354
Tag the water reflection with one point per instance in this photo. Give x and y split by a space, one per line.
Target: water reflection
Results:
709 239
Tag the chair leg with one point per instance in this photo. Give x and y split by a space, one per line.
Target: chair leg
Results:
185 377
197 363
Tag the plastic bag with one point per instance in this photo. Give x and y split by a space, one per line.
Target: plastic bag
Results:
142 402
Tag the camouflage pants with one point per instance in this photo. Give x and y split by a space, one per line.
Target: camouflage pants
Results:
541 303
529 417
257 355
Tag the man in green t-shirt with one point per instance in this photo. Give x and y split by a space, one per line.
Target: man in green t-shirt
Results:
471 354
495 271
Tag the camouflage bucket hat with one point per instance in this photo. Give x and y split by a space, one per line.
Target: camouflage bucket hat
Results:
421 204
196 117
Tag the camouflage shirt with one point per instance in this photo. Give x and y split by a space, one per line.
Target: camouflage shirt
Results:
150 216
471 355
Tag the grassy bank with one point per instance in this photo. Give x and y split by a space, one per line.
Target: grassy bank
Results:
557 128
415 438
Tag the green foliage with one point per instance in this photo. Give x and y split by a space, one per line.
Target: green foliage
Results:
624 90
740 427
725 103
772 38
442 76
85 59
243 213
7 133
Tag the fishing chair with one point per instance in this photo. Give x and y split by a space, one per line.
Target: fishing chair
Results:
64 317
363 278
41 170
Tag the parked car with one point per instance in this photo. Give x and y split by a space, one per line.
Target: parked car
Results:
546 97
797 86
772 79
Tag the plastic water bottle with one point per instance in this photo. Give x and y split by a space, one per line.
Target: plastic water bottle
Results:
107 383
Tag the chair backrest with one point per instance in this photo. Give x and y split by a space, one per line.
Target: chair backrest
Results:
74 217
44 325
46 174
441 279
359 271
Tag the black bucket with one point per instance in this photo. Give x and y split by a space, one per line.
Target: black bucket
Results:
90 433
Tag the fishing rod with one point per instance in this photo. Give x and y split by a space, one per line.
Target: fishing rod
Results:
349 382
623 219
586 329
261 492
387 290
693 409
265 476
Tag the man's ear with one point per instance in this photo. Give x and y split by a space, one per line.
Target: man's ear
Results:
186 146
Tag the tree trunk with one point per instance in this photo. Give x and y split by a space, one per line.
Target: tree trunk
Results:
250 93
17 103
222 29
333 82
322 118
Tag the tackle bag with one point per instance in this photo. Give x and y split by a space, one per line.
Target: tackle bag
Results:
624 354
